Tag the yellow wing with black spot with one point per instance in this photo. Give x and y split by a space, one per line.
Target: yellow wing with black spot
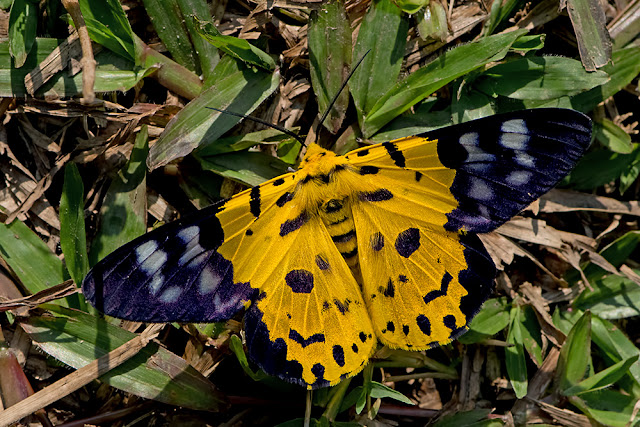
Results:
424 273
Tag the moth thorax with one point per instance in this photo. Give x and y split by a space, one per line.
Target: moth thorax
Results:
337 217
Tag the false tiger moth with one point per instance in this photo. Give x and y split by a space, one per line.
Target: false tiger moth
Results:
378 245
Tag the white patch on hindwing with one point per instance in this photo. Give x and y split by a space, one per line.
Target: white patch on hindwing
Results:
480 189
171 294
186 235
145 249
209 281
518 178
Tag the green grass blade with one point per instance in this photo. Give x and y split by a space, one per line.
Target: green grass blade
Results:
447 67
73 240
108 26
602 379
233 46
329 59
167 20
515 357
247 168
540 78
575 354
77 338
23 21
124 212
384 33
30 259
236 88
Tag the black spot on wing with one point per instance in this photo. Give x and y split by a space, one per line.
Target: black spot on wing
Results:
278 182
444 285
338 355
424 324
249 232
362 336
291 225
284 199
390 290
363 152
449 321
254 202
322 263
375 196
391 327
318 371
377 241
405 329
396 156
505 162
418 176
369 170
354 347
295 336
408 241
300 281
342 306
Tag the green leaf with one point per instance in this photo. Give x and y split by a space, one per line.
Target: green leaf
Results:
600 167
539 78
235 344
238 48
123 215
492 318
613 297
73 239
380 391
616 252
383 34
108 25
23 21
602 379
234 143
607 407
590 26
514 356
529 43
169 23
207 54
612 136
248 168
531 334
30 259
329 58
574 359
624 67
614 345
475 418
236 88
77 338
447 67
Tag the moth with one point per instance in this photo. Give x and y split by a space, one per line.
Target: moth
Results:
377 246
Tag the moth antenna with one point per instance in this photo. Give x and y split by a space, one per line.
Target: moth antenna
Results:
263 122
335 97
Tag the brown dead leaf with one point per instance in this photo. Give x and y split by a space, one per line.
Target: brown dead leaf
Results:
565 417
570 201
52 293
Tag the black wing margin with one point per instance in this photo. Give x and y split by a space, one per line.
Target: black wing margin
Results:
172 273
505 162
